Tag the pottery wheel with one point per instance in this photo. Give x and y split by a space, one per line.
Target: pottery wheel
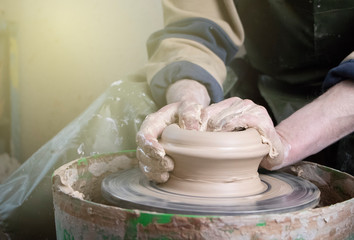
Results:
283 193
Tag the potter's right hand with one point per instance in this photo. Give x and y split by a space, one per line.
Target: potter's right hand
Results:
186 100
235 114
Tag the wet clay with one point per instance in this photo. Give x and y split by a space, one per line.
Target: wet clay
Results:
214 164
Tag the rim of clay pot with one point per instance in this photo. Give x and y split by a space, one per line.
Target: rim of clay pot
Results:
241 144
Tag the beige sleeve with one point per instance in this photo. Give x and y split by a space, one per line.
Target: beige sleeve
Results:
203 52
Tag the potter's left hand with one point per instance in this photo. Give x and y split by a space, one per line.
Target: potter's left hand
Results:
186 99
236 114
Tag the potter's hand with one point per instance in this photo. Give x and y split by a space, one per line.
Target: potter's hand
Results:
237 114
153 161
186 100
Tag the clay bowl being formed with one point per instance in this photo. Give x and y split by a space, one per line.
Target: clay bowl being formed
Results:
220 164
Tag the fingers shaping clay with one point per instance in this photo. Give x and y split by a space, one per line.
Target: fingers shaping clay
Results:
214 164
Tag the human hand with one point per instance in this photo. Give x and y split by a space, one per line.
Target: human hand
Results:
235 114
187 99
153 161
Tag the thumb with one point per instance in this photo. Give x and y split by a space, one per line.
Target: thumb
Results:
189 116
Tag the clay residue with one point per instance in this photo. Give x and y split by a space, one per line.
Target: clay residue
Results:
335 186
67 178
73 180
118 163
326 223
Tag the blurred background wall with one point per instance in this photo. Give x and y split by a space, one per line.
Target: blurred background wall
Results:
65 54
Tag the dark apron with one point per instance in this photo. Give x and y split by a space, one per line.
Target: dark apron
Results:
290 46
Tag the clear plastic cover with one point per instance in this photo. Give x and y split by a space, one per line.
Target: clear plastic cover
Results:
108 125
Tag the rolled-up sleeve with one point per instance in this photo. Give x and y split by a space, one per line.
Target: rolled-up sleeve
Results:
197 43
344 71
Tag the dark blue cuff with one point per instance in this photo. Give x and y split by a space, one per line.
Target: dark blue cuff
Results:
343 71
200 30
183 70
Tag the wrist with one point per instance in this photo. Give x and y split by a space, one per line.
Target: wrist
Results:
286 153
188 90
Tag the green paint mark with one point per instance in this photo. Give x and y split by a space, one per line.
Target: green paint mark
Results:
147 218
261 224
82 161
68 236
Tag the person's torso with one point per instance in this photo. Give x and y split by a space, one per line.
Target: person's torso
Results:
297 41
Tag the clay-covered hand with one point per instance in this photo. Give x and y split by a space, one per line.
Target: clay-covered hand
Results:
153 161
236 114
186 100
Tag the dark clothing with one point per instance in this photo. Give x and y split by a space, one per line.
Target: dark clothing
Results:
294 52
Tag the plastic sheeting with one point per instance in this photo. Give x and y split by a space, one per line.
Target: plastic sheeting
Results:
108 125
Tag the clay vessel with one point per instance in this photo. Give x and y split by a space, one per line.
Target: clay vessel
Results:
220 164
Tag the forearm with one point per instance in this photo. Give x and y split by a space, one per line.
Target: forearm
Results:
188 90
319 124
